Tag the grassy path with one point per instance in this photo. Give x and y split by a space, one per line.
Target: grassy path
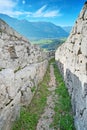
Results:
50 108
47 117
63 119
29 116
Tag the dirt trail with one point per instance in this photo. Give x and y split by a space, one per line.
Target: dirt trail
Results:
47 117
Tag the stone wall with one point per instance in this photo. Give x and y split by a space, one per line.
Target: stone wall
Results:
72 61
22 67
51 54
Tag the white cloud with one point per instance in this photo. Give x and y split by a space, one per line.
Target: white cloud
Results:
52 13
40 12
44 12
9 7
6 6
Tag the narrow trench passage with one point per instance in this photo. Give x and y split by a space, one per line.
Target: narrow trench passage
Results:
50 108
47 117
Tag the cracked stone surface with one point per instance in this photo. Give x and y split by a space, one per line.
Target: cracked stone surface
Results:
71 58
22 67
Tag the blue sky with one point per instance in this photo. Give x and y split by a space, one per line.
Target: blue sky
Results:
59 12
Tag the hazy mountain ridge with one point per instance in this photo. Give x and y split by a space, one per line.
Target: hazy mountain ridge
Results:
67 28
35 29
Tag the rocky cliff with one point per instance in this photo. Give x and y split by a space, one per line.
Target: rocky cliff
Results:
72 61
22 67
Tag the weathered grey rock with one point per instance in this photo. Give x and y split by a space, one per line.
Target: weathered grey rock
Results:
22 67
72 61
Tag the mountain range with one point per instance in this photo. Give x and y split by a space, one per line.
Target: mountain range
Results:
67 28
35 30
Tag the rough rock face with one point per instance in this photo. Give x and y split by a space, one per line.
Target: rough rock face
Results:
22 67
72 61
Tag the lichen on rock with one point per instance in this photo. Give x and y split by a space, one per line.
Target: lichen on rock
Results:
22 67
72 61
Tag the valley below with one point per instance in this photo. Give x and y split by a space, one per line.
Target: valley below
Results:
50 44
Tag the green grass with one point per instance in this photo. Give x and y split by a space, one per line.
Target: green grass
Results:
49 44
48 41
33 89
2 69
29 116
63 118
19 68
42 41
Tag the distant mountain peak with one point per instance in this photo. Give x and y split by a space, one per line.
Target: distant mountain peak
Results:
34 30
